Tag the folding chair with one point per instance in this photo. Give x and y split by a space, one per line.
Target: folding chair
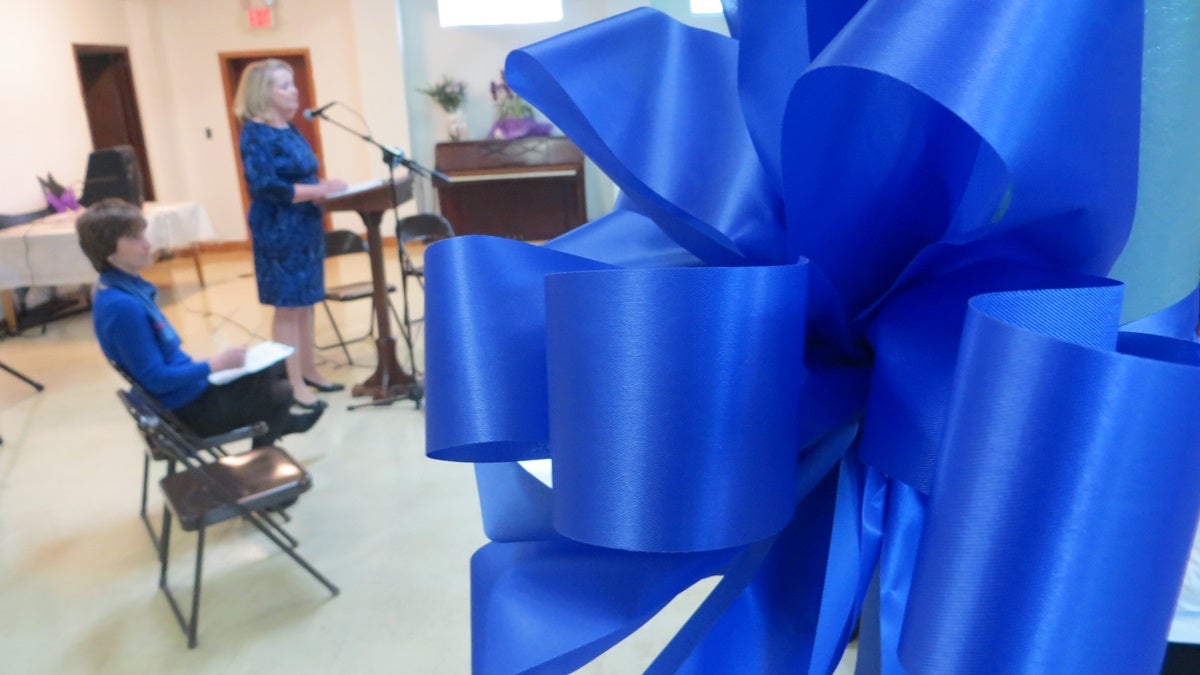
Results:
212 445
205 493
424 228
339 243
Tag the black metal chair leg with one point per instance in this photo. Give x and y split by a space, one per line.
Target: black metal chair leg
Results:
164 548
338 333
155 539
407 324
395 315
145 483
192 625
293 555
279 528
142 511
164 558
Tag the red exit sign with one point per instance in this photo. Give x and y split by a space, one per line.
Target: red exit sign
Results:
261 17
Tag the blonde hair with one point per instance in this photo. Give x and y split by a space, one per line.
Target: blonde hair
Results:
253 97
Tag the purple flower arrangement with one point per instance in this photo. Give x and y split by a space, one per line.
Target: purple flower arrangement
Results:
514 115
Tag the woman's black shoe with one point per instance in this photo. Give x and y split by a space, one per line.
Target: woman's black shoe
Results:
298 423
315 405
325 388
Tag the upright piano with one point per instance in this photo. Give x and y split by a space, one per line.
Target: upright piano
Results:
527 188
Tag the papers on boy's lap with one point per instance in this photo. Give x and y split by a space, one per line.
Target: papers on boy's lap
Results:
258 357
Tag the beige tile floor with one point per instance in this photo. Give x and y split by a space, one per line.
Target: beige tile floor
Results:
393 529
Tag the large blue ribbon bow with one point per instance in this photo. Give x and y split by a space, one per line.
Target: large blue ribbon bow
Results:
847 322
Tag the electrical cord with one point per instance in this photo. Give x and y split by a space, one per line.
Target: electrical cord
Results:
250 333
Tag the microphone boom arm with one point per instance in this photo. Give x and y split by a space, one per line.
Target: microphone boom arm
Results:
391 156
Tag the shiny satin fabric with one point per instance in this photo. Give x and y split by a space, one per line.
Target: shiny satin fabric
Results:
1050 505
848 317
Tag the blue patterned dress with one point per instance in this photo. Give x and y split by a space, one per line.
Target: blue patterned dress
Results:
288 239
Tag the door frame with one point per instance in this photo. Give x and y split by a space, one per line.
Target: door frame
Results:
132 117
304 81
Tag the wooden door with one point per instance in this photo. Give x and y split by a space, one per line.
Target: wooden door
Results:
232 66
110 102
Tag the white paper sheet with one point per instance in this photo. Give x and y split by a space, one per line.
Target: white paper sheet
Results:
258 357
359 187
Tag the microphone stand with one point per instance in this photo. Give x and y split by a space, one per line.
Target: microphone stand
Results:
23 377
393 157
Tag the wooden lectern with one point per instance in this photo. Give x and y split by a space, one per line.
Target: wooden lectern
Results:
371 200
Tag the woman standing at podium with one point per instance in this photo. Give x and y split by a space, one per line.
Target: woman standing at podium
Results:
285 218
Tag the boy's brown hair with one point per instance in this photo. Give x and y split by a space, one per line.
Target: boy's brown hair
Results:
102 225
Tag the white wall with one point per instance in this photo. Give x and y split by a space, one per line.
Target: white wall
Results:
173 47
42 123
194 32
371 55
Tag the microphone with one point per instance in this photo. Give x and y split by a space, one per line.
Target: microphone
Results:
319 112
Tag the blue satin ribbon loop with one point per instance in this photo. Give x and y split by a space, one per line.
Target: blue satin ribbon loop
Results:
946 132
640 362
624 238
486 374
740 222
904 515
770 626
1047 415
737 577
515 505
848 321
916 340
769 63
733 20
853 551
553 606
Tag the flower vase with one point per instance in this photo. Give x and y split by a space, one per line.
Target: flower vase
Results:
456 125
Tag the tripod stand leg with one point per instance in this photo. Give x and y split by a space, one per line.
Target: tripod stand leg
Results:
20 376
415 393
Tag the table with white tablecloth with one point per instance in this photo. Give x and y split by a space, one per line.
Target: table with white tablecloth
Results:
46 252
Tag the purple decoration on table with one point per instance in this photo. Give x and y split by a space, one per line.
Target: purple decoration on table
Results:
58 197
509 129
64 202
